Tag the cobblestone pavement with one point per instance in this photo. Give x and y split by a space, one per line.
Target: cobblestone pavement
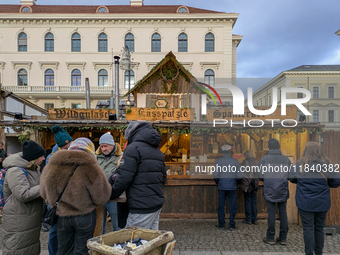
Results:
196 236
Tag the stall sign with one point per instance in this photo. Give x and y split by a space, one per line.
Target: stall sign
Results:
151 114
80 114
161 103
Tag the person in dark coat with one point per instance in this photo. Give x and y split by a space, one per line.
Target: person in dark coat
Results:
142 174
313 194
227 173
274 169
3 153
249 184
21 214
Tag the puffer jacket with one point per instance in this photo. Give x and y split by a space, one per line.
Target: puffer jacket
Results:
109 166
23 211
226 178
313 188
275 184
87 188
142 172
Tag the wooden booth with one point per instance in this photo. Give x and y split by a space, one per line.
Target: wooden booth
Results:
169 98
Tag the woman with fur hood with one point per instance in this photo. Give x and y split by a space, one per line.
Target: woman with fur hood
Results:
21 214
86 188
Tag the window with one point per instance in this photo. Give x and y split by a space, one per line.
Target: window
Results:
22 42
331 116
315 92
300 95
75 106
156 43
22 77
209 77
49 106
209 42
132 79
49 42
76 79
102 10
49 79
182 10
315 115
130 41
102 42
26 9
102 78
330 92
270 100
76 43
182 43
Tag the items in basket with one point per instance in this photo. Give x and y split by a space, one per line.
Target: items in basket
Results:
133 244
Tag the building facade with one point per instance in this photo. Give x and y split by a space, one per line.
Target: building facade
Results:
322 81
47 51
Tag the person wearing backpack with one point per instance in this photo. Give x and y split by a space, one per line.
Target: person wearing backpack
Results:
23 209
249 185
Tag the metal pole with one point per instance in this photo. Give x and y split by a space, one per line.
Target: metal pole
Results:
111 100
87 88
117 85
129 80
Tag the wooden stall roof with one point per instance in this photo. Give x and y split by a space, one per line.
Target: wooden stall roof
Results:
152 79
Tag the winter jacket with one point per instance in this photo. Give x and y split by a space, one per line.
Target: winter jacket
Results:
249 182
275 184
87 188
142 172
313 190
109 166
227 173
54 150
23 211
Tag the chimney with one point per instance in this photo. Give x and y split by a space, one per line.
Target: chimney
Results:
28 2
135 2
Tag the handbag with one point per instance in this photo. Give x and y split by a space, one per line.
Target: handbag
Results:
51 216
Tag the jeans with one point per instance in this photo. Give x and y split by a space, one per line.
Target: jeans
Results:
250 206
271 220
73 233
52 239
111 207
222 195
122 212
313 235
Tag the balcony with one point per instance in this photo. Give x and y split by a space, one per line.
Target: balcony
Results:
65 91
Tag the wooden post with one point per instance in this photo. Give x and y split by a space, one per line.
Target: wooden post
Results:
99 222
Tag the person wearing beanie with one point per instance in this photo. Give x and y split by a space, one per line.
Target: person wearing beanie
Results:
61 137
275 190
108 155
227 185
142 174
23 210
86 188
63 141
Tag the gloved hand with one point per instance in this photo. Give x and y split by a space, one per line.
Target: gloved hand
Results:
112 179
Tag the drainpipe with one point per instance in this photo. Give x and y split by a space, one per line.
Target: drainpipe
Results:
87 88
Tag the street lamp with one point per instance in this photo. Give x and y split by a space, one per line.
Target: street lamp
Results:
125 64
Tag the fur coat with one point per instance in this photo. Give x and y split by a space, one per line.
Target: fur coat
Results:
87 188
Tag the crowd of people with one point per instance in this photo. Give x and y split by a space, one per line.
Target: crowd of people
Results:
84 178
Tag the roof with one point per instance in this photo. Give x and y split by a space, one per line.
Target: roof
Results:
315 68
112 9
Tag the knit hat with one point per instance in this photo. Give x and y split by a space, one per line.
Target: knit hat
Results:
107 138
273 144
82 144
31 150
61 137
226 147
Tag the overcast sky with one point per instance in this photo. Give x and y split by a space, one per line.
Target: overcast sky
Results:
277 35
